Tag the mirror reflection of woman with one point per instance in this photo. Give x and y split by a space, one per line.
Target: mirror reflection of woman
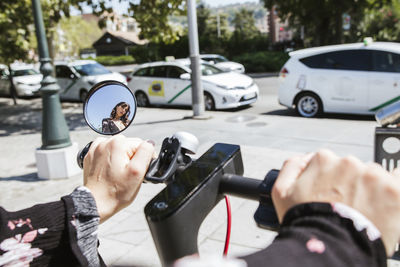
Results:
118 119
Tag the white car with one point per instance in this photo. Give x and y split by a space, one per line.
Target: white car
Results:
26 80
164 83
77 78
357 78
222 62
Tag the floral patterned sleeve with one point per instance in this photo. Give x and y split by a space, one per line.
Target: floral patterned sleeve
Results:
323 234
53 234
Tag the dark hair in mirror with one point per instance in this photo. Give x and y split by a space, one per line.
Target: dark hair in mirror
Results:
124 117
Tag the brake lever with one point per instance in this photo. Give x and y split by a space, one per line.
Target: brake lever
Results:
162 168
81 154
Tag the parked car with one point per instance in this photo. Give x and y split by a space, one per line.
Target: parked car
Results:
222 62
77 77
168 83
357 78
26 80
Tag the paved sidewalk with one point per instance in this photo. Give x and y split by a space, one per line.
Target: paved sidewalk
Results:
266 141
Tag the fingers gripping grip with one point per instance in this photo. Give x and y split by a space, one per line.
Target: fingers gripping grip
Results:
265 215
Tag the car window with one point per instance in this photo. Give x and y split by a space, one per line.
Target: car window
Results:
63 72
24 72
385 61
174 72
209 70
3 73
341 60
142 72
91 69
220 59
158 71
217 59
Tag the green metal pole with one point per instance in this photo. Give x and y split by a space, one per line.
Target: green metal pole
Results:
55 132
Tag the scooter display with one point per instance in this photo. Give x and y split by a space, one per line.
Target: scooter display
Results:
193 186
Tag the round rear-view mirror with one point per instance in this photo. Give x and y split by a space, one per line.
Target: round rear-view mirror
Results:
110 107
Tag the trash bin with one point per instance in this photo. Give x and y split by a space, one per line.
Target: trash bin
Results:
387 147
387 153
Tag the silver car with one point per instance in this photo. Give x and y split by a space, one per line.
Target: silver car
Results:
222 63
26 80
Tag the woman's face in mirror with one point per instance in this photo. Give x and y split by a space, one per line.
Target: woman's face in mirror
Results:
122 110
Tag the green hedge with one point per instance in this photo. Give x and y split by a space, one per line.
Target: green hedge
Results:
264 61
115 60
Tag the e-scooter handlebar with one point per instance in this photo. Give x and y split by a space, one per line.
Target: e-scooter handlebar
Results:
193 189
176 213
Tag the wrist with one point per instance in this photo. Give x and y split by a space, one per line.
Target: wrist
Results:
106 204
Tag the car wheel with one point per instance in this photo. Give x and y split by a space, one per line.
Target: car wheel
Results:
309 105
82 95
209 103
142 99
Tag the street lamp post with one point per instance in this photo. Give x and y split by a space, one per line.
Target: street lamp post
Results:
197 89
54 130
55 158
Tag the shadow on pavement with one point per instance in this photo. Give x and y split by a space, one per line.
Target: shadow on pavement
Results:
190 108
26 117
163 121
30 177
336 116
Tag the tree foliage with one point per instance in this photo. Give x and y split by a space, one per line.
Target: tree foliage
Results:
74 34
382 24
207 23
16 24
152 16
14 18
245 25
322 20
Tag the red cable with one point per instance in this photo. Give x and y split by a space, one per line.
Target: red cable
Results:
228 226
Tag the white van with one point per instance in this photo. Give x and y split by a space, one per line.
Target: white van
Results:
357 78
77 78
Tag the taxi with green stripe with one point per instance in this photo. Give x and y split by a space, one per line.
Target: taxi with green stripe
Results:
168 83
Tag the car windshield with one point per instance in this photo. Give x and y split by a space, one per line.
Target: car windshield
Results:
24 72
91 69
209 70
218 59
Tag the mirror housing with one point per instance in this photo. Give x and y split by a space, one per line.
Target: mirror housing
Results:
185 76
109 108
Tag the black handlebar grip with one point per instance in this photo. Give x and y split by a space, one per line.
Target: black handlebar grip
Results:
265 215
81 154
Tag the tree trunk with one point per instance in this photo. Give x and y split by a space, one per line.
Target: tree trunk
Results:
339 27
13 91
322 32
